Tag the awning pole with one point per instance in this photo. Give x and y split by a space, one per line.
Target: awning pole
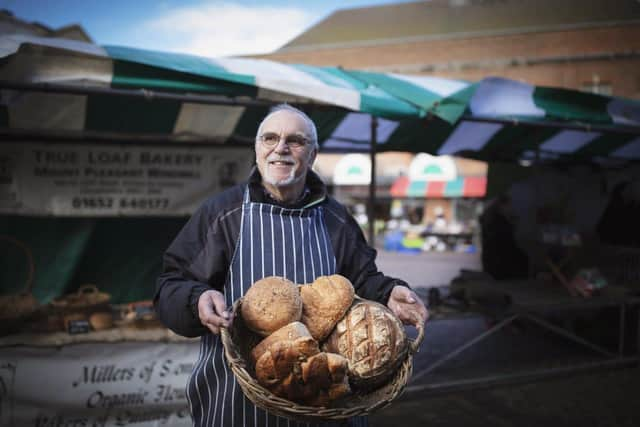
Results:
372 182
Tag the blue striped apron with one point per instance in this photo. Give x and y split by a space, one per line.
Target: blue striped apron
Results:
273 241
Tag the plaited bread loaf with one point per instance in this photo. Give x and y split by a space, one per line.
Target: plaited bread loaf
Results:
372 339
290 364
327 374
270 304
324 302
282 360
288 373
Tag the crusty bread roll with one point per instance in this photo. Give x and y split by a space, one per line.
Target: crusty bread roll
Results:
338 367
270 304
373 340
324 302
288 333
281 360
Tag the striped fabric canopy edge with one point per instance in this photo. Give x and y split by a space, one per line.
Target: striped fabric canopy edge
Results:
494 119
467 186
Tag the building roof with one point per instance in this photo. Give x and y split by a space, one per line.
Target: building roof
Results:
9 24
441 19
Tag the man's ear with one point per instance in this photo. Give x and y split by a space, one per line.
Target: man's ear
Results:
312 156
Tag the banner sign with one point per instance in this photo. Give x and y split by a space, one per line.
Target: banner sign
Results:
96 385
115 179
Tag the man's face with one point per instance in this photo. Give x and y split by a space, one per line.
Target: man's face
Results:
280 158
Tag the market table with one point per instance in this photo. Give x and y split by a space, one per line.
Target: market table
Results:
506 304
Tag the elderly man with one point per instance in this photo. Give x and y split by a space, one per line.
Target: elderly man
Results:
281 222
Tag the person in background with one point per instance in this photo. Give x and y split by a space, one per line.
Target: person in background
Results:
502 258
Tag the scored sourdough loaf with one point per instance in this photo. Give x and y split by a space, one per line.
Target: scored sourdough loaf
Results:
270 304
324 303
372 339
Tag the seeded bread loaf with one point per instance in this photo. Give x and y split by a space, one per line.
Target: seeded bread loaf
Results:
270 304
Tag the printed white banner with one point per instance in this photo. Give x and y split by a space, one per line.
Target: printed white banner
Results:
115 179
96 385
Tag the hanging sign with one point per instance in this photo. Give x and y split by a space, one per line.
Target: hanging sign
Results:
426 167
113 180
353 169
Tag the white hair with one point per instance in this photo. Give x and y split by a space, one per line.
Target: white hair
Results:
286 107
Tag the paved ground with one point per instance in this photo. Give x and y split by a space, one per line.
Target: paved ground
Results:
426 269
608 398
604 397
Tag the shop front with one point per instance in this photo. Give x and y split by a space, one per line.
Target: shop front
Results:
436 205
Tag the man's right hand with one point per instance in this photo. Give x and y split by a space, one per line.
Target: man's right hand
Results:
212 311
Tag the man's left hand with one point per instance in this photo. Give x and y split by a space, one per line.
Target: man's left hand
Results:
407 306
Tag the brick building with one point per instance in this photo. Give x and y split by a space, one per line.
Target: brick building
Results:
579 44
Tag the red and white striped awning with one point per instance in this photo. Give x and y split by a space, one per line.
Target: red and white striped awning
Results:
469 186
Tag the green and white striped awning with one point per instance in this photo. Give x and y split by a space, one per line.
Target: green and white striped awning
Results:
70 88
499 119
328 94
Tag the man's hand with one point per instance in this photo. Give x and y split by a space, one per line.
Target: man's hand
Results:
407 306
212 311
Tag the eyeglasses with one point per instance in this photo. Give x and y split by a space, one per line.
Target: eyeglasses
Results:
294 142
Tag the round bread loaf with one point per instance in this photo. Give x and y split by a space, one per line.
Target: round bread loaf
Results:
372 339
270 304
324 302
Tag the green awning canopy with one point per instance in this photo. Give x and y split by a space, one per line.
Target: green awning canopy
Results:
221 100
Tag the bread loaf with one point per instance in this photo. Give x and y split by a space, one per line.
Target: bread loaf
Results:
324 302
283 359
270 304
288 333
287 373
372 339
290 365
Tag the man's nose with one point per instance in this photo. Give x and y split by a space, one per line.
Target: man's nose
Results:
281 145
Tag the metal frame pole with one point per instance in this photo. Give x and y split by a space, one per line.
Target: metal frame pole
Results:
464 346
372 182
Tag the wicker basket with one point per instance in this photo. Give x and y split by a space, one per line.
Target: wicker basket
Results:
16 308
86 299
238 342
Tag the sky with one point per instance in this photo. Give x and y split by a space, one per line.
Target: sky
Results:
202 27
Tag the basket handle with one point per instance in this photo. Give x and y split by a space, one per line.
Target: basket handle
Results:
87 289
414 345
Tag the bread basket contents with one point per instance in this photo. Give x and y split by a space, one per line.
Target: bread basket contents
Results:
335 351
270 304
289 364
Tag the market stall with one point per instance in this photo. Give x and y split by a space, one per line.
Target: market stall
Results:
105 153
107 150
